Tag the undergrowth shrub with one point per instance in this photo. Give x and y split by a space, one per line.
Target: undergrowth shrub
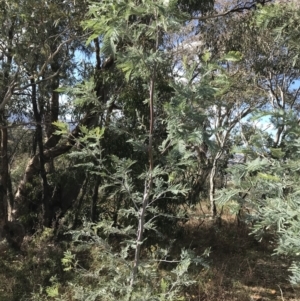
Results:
102 268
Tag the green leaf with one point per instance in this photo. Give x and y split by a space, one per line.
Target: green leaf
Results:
52 291
62 128
277 152
164 285
62 89
127 68
233 56
206 56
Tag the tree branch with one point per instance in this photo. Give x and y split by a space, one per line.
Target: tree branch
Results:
237 8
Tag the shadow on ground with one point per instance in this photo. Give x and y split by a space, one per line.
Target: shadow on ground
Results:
241 268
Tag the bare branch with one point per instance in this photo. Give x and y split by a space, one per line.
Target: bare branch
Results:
10 90
237 8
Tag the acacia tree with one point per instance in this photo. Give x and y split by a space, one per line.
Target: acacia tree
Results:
132 37
121 26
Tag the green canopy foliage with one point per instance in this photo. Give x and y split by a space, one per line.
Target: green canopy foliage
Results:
118 118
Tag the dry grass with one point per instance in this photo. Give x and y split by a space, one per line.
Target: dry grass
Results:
23 272
241 268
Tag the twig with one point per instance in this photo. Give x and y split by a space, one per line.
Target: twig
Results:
235 9
281 293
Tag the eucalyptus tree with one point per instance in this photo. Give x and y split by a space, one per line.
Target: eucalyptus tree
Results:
214 43
38 46
9 76
266 184
253 75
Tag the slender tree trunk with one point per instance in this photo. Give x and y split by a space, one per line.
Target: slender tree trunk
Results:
147 187
149 180
213 208
39 137
4 175
52 114
95 200
141 224
212 175
10 200
97 53
80 202
5 211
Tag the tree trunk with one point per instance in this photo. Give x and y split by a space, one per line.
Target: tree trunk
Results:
39 137
147 186
80 202
213 208
10 200
53 111
95 200
5 211
212 175
4 175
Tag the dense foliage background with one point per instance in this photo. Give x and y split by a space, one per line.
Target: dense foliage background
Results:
139 137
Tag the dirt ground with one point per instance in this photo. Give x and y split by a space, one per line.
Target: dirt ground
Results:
241 268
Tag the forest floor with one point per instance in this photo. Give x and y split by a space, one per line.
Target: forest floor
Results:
240 267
